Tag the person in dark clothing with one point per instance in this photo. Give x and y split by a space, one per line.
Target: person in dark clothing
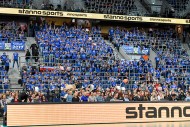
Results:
27 56
33 47
35 52
5 116
3 58
15 59
35 55
75 97
181 96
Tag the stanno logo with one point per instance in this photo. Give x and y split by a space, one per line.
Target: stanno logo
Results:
114 17
40 12
157 112
123 17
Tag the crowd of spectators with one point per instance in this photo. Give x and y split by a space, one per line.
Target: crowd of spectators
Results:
98 95
80 58
11 31
172 61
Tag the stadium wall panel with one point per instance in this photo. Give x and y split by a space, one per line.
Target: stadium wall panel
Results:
93 113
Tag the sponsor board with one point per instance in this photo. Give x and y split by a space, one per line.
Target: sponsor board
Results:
18 45
123 17
33 12
92 113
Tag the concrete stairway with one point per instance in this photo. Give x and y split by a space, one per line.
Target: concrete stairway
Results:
116 52
14 73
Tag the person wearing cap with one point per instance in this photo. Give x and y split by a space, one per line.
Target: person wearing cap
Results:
15 59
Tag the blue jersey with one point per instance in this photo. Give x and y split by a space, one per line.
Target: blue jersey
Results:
157 59
15 56
4 57
157 74
7 62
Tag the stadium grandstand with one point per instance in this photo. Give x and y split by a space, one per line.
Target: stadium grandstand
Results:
93 52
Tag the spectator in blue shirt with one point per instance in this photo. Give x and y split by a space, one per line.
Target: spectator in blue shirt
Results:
3 58
15 59
157 59
69 97
7 64
84 97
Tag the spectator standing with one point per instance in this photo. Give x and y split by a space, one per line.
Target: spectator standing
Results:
157 59
3 102
15 59
3 58
7 64
35 52
5 115
27 56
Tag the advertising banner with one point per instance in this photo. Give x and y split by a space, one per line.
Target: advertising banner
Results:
93 113
49 13
17 45
136 50
7 46
129 49
2 45
146 51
